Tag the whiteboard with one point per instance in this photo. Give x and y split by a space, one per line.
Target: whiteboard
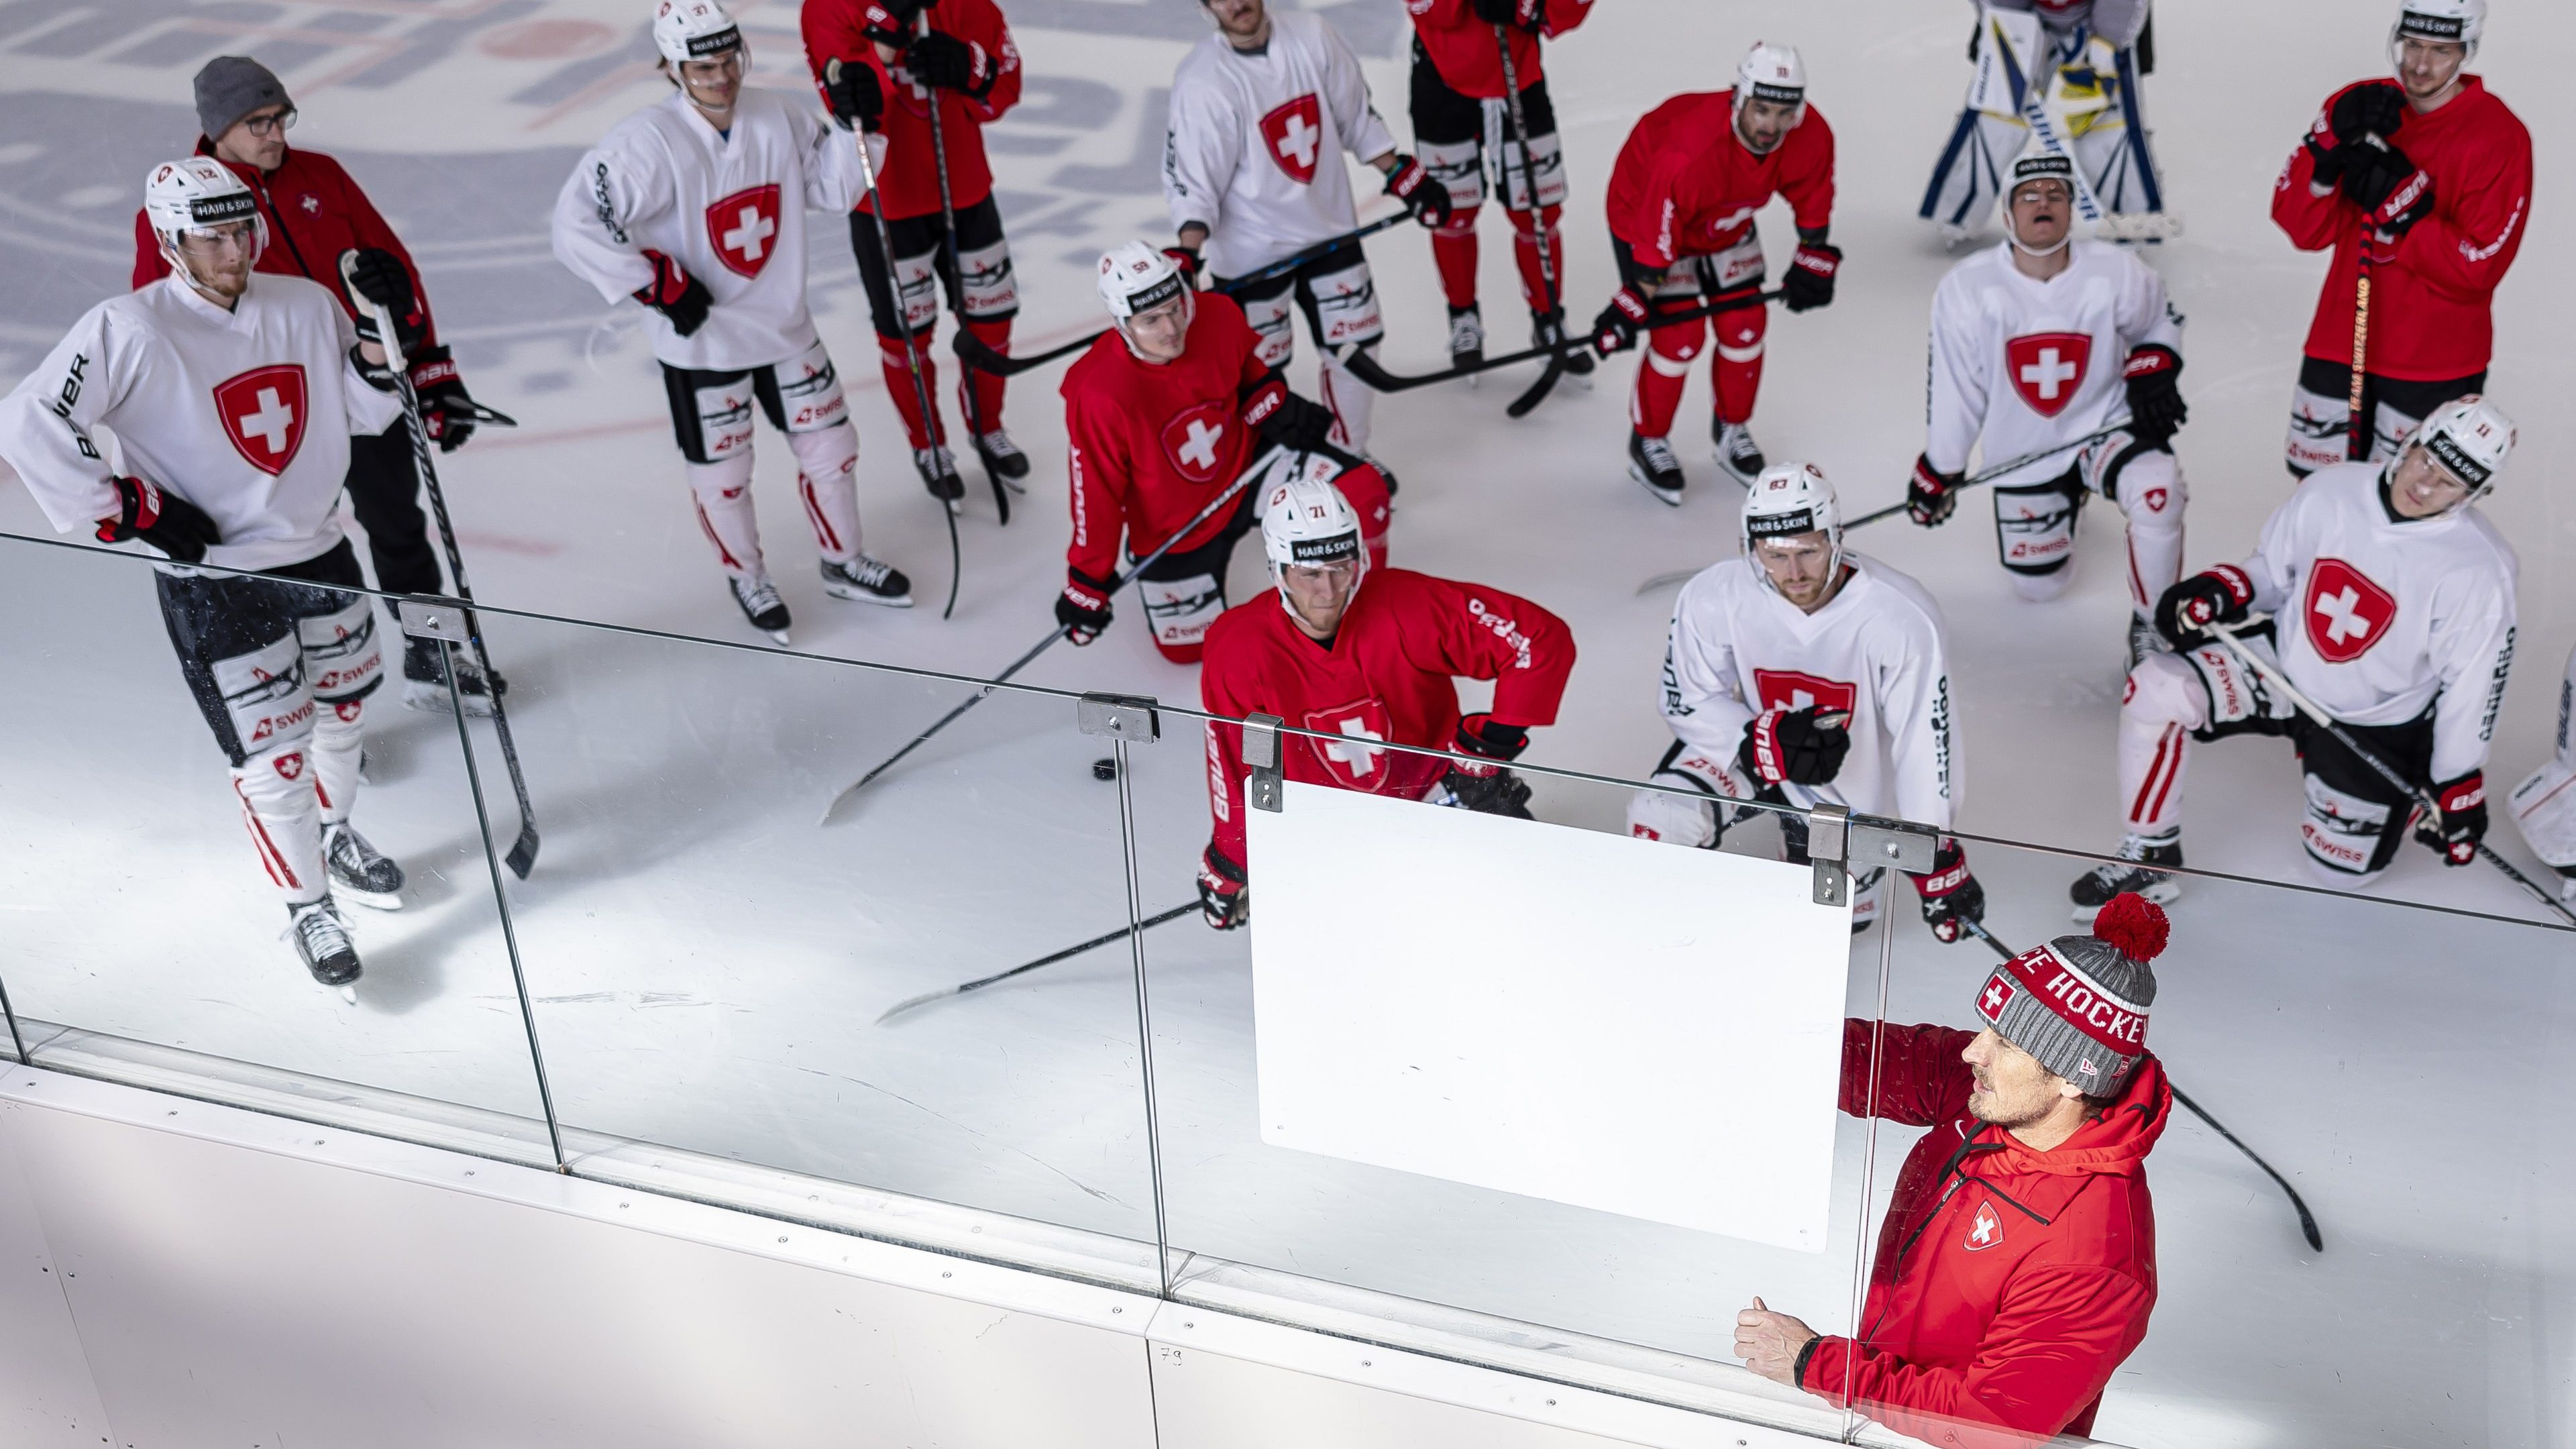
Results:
1613 1023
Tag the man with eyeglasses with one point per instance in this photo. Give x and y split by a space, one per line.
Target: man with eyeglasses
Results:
314 212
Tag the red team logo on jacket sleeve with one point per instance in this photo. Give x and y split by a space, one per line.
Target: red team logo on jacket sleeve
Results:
1295 135
2346 612
1356 761
1195 440
263 412
1794 689
743 228
2047 368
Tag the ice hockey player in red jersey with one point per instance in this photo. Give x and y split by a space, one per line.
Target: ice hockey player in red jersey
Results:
1682 199
2422 184
1369 657
1164 415
1462 123
958 56
2392 604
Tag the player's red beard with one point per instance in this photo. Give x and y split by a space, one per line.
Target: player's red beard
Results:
219 269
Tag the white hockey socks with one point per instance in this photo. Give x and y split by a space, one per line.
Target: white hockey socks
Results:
827 463
337 737
285 819
2163 706
1354 403
2152 495
724 510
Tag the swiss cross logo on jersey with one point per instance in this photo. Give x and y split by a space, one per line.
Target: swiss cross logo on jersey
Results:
2047 368
1356 761
263 412
1986 1229
743 228
1794 689
2346 612
1195 440
1295 135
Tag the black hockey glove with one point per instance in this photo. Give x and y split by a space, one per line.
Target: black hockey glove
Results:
166 521
2334 139
851 90
1930 494
377 278
2392 191
1487 738
2221 595
2463 822
937 58
2156 408
1616 329
1810 283
1083 607
675 294
446 409
1529 15
1488 792
1951 897
1283 418
1426 198
1225 895
1799 746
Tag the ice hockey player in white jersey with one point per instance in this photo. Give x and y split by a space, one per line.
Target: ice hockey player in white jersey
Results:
2392 607
691 206
232 395
2037 345
1261 114
1799 674
2061 71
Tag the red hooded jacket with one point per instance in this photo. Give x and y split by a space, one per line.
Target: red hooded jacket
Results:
2009 1283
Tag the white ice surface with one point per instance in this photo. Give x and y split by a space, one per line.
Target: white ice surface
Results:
708 964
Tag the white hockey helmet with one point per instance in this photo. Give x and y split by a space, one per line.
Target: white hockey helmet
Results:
1306 520
2038 163
2470 437
1136 276
686 30
1773 73
1786 500
199 193
2459 22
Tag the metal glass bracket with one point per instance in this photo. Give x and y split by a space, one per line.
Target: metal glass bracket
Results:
1839 841
1130 717
434 619
1261 752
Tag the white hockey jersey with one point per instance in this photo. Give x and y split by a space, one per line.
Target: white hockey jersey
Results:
1253 148
2025 365
1878 649
728 207
2377 619
245 413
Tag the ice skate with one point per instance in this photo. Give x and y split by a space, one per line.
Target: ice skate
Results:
1738 456
322 940
2144 640
1652 464
762 606
425 685
2135 871
938 469
868 580
1466 339
1003 459
360 872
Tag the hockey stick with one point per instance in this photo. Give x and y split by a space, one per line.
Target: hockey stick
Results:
1555 299
957 279
523 851
971 348
1366 368
2358 440
948 488
1067 954
1016 665
2307 1220
2423 798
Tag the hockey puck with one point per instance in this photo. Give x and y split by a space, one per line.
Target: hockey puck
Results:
1104 768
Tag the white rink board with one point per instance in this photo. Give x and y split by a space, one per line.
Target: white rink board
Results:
1565 1014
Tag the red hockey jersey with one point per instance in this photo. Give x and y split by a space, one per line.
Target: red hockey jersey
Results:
2432 309
1462 50
2009 1283
1386 676
909 180
1684 185
1152 443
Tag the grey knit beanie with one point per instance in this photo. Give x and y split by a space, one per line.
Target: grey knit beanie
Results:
230 87
2079 1004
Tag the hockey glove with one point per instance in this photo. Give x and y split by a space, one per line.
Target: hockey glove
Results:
937 58
1486 738
2392 192
1283 418
1488 792
379 279
2462 823
1187 259
851 90
166 521
2220 595
2156 408
1810 283
1083 608
2373 108
1426 198
1225 896
1529 15
446 409
1616 329
891 20
1799 746
675 294
1951 897
1930 494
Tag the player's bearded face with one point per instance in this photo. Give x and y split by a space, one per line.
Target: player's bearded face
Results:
1242 20
715 84
218 259
2426 68
1800 566
1159 333
2041 212
2421 488
1760 124
2013 1089
1319 594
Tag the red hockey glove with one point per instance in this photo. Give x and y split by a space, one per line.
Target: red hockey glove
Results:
1187 259
940 59
1225 894
851 92
1083 608
2156 408
166 521
891 20
1482 736
1799 746
2463 821
1810 283
1616 329
1951 897
675 294
446 409
1426 198
2222 595
1930 494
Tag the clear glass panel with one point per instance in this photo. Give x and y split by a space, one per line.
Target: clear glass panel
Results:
139 914
710 959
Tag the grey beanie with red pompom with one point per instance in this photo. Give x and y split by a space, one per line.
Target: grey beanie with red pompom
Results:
2079 1004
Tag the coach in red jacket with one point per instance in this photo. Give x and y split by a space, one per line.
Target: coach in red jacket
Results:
2017 1265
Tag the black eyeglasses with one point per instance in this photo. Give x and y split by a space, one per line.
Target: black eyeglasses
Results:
275 123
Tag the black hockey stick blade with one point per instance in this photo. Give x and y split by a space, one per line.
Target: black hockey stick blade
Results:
1067 954
1520 406
956 560
494 416
973 351
523 851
